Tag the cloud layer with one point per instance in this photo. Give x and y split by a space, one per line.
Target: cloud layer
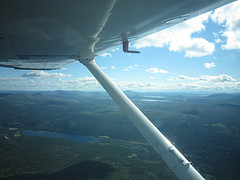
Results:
228 17
106 55
207 79
44 75
179 38
156 70
222 83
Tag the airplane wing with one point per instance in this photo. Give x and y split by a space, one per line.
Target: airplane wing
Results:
50 34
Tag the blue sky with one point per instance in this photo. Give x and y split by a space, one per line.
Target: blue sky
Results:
201 54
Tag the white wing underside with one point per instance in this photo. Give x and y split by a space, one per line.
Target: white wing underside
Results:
50 34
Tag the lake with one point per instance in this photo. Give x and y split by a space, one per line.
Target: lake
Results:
71 137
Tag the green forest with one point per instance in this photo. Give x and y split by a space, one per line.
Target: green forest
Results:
204 127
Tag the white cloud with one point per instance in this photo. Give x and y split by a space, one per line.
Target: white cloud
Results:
63 68
152 70
219 79
130 85
106 54
129 67
228 17
183 77
171 79
85 83
217 38
209 65
44 75
178 38
113 67
156 70
162 71
212 83
10 79
116 49
104 67
207 79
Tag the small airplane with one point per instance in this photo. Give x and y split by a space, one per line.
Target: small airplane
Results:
50 34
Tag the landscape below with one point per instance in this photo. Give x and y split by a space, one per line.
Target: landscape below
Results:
205 128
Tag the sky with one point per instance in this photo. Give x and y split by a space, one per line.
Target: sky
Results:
198 55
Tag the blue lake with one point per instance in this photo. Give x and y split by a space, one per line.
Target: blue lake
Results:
154 100
71 137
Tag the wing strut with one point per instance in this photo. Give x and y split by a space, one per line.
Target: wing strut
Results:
181 167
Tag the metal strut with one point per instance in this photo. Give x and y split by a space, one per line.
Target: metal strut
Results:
180 166
126 44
